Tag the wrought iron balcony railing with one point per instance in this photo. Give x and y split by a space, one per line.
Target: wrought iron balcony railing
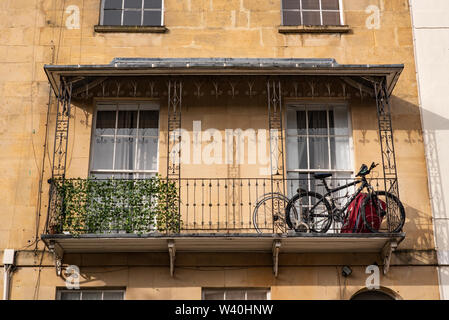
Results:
207 205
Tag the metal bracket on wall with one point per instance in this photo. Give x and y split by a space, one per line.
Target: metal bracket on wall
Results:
387 252
276 249
172 253
58 253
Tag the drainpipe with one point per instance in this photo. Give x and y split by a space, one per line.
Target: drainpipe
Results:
8 265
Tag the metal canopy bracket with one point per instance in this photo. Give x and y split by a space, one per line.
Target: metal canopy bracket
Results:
387 252
172 254
58 253
276 250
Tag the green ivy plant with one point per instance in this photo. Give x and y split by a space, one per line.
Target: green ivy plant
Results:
116 206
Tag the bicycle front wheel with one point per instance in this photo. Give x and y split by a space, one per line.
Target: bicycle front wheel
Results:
383 212
268 215
310 208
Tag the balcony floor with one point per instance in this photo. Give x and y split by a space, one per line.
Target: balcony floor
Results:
219 242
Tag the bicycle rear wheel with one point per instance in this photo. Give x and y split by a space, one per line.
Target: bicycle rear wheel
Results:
310 208
383 212
269 213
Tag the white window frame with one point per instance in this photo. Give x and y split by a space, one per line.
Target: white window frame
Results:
81 291
204 291
299 105
100 106
341 10
123 10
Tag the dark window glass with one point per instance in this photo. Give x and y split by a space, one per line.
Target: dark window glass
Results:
113 4
290 4
292 18
330 4
132 18
331 18
310 4
311 18
133 4
301 122
152 18
112 17
153 4
105 119
149 119
317 122
127 119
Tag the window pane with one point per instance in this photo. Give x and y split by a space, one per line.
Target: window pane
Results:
330 4
133 4
91 295
340 153
112 4
152 18
105 123
297 153
125 153
301 122
331 18
311 4
147 153
103 152
149 119
319 153
112 17
214 296
127 123
256 295
290 4
235 295
153 4
70 295
317 122
113 296
339 123
291 18
132 18
311 18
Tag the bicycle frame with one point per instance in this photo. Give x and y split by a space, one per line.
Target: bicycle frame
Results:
329 193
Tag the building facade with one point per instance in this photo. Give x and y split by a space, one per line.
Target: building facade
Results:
153 147
430 29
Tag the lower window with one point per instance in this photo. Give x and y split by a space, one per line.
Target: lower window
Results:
236 294
64 294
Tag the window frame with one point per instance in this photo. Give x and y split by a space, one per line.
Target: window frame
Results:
59 292
267 291
297 105
155 106
122 14
341 10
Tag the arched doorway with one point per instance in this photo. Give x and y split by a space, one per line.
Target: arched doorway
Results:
372 295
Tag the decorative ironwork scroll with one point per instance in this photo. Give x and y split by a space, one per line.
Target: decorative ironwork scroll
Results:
277 171
60 149
387 148
174 129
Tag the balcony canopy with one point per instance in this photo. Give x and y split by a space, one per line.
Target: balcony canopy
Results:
363 75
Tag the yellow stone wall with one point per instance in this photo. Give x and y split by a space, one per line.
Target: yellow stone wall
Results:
34 33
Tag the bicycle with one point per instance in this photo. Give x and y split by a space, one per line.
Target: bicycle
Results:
269 212
318 214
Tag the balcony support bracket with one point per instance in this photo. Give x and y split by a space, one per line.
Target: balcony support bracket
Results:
58 254
276 249
387 252
172 254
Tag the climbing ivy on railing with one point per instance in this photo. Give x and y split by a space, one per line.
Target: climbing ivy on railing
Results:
115 206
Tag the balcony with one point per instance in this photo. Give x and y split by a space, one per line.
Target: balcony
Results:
214 214
199 215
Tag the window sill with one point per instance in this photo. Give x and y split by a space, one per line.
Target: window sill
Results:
314 29
130 29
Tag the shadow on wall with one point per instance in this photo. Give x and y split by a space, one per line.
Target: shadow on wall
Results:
406 121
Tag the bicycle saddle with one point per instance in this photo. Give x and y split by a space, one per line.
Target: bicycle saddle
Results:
322 175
